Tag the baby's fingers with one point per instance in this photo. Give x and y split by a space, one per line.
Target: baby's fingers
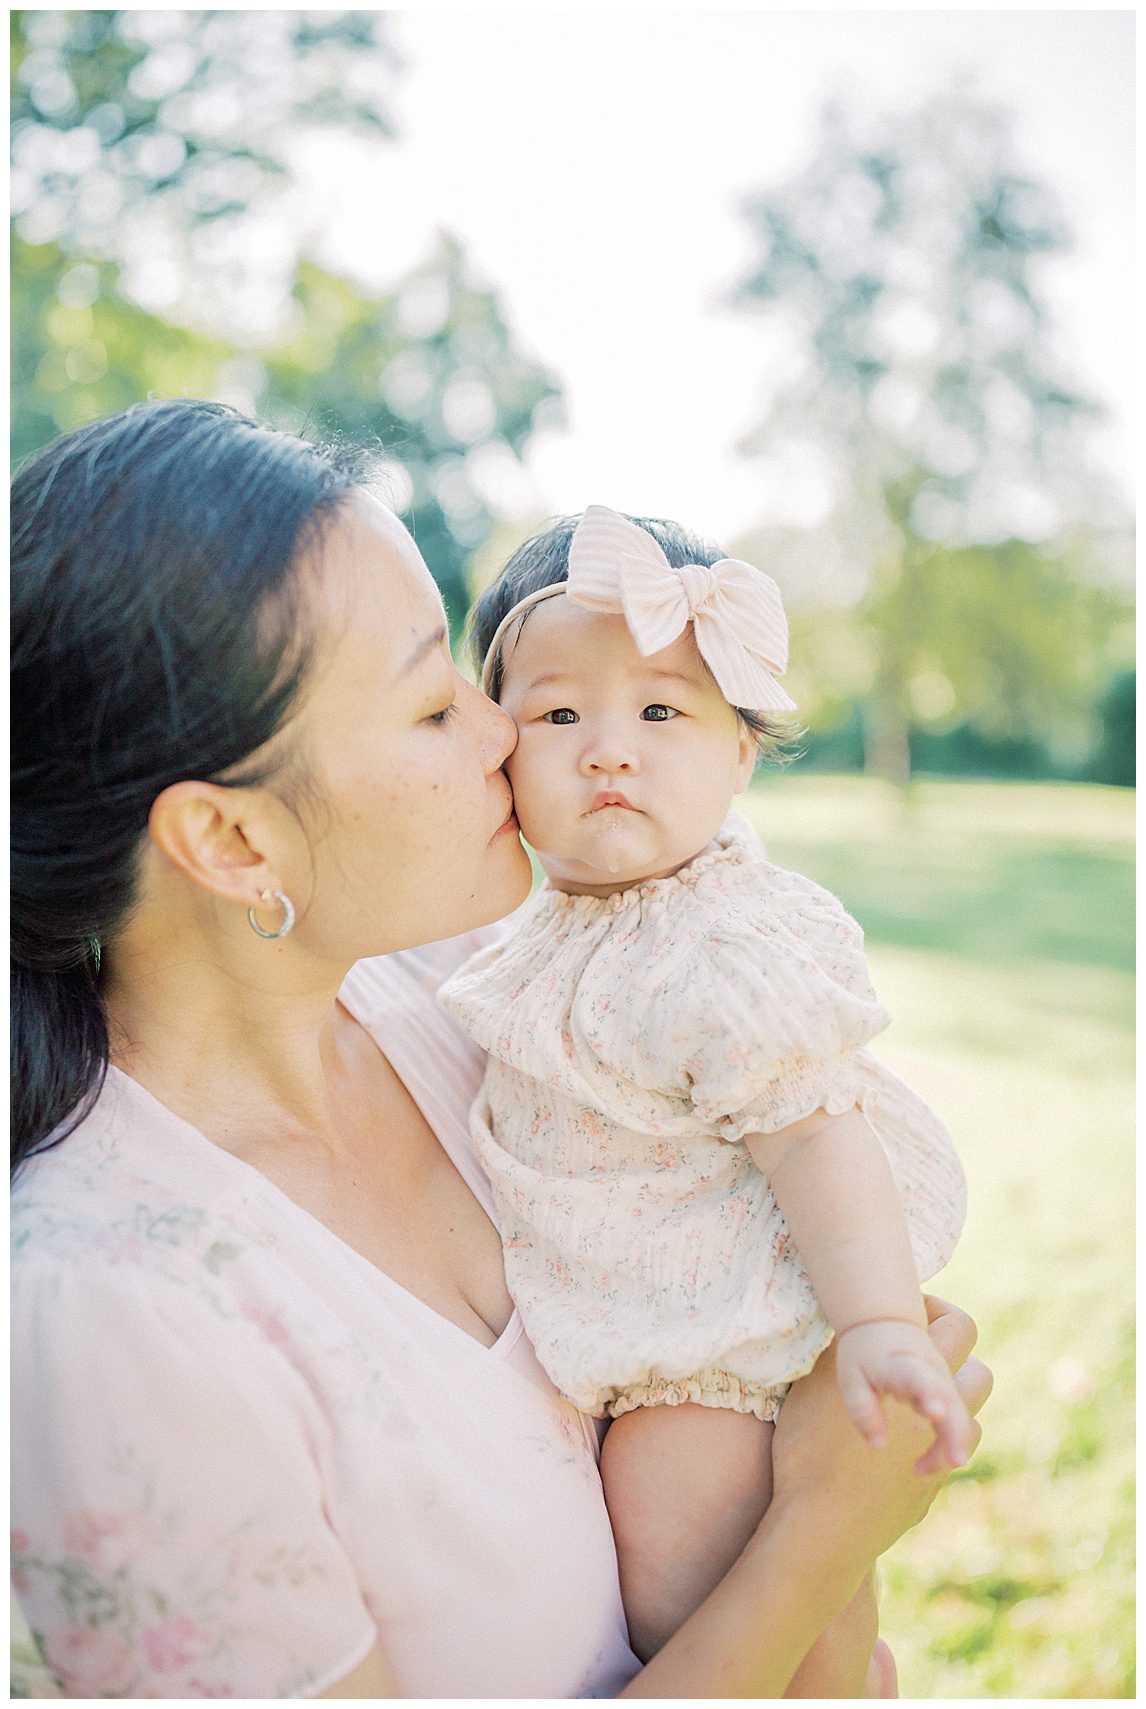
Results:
934 1396
953 1432
862 1404
935 1458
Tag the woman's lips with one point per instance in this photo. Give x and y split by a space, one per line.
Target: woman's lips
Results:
509 823
610 798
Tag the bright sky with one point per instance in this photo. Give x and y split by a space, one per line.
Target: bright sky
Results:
592 161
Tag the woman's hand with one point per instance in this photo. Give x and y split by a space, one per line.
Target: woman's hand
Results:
866 1498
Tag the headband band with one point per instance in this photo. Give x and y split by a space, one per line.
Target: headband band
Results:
534 598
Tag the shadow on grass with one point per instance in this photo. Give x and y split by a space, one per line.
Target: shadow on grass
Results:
977 895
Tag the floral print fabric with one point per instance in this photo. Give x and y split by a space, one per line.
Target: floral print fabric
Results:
633 1041
243 1456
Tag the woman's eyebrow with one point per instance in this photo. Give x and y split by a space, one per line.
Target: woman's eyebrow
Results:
426 645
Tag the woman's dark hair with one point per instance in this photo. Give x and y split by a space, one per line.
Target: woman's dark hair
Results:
543 561
156 635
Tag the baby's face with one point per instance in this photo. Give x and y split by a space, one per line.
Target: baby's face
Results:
625 767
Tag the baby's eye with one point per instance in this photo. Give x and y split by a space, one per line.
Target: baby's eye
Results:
561 715
444 716
658 713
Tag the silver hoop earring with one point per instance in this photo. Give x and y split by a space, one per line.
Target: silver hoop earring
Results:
287 907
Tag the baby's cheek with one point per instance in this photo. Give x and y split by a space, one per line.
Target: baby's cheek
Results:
526 780
543 828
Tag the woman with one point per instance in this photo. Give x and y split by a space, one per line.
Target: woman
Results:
277 1432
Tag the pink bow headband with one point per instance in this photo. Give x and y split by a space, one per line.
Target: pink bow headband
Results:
735 610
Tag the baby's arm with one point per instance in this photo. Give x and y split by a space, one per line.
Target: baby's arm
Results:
834 1186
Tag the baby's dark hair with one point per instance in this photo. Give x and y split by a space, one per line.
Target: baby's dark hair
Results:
543 561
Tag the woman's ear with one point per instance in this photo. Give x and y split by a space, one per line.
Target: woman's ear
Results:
215 837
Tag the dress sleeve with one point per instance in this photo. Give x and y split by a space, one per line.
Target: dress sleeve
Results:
766 1017
169 1531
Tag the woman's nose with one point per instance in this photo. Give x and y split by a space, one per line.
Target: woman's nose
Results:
499 735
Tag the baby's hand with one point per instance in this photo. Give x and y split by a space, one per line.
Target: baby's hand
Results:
894 1358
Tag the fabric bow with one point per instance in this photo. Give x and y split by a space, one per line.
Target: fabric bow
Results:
735 610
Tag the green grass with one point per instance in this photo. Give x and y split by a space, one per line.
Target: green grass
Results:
999 921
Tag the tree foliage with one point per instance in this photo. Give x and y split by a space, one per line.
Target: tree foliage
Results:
430 375
146 140
924 404
81 349
185 117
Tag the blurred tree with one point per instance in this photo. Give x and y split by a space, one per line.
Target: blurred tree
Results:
923 424
80 349
448 407
431 376
139 138
1114 759
148 138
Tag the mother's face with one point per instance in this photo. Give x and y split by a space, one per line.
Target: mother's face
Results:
408 837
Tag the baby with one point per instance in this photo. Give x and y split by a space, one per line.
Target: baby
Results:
701 1176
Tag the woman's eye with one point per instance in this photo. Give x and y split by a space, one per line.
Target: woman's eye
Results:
560 715
444 716
658 713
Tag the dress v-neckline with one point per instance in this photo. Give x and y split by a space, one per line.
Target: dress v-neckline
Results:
315 1227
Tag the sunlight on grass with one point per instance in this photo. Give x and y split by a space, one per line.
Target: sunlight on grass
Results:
999 920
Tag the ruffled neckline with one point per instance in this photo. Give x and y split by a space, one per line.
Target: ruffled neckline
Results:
735 844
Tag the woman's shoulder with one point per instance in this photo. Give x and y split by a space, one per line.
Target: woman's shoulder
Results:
373 983
131 1195
395 998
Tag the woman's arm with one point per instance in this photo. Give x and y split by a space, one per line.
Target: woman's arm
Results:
370 1679
837 1506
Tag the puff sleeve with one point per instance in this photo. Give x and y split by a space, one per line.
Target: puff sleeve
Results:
759 1025
169 1529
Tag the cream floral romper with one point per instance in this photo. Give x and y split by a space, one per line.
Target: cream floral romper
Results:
634 1040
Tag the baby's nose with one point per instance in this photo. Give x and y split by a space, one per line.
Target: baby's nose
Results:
608 757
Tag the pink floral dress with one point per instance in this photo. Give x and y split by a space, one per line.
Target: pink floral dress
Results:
634 1040
243 1457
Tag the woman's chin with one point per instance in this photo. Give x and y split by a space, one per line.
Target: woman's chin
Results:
514 880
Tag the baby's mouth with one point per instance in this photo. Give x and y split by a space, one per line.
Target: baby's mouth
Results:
610 798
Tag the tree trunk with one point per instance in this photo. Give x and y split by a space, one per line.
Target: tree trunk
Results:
886 750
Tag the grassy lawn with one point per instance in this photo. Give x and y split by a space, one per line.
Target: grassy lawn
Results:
999 920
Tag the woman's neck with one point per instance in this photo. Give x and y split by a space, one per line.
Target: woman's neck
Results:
221 1046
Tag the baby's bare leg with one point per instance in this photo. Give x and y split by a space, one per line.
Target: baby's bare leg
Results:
686 1486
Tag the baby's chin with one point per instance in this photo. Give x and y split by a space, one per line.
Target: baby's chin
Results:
613 861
